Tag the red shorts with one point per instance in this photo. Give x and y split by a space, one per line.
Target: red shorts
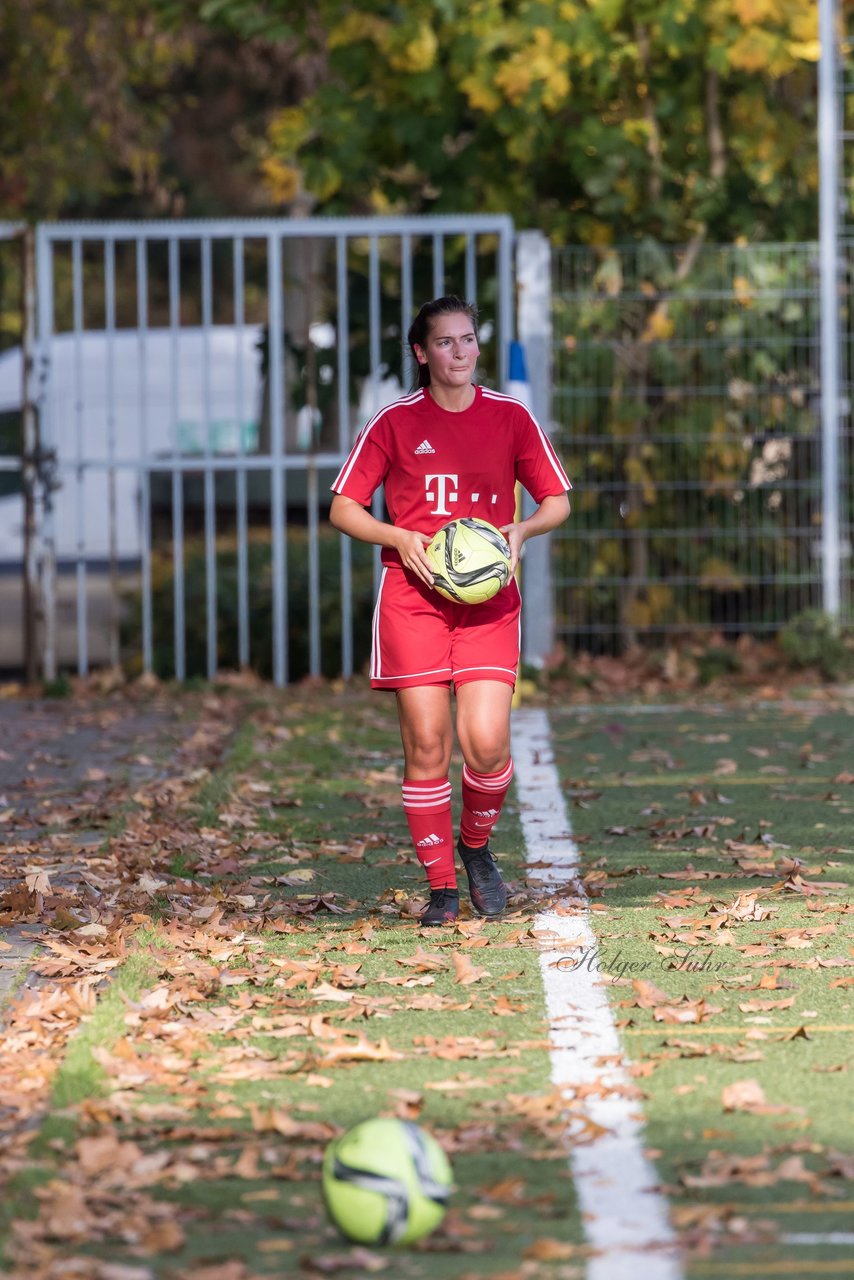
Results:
420 638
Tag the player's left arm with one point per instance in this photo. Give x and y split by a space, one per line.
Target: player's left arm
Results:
551 512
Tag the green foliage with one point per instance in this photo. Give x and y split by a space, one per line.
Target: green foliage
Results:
260 578
600 121
58 688
717 661
814 639
83 107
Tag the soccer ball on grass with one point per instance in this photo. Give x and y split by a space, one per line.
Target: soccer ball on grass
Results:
386 1181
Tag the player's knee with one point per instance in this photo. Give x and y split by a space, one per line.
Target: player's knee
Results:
428 754
487 757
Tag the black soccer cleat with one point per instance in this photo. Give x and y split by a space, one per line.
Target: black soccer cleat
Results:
443 907
487 890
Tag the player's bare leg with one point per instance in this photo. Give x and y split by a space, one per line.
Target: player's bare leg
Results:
483 724
426 730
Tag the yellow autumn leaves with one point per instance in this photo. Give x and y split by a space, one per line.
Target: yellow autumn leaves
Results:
775 35
406 47
477 68
535 57
539 63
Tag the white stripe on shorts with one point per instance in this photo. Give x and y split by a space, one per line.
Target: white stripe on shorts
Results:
375 630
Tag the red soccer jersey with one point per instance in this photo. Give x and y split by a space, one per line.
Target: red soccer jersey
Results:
437 466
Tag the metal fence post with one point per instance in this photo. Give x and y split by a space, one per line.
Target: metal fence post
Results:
534 327
30 444
47 479
829 202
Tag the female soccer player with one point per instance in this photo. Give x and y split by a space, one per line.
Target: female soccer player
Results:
449 449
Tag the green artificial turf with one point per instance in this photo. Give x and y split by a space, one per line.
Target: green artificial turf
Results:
714 801
220 1049
242 1103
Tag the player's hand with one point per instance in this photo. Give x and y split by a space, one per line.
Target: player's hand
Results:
515 535
410 547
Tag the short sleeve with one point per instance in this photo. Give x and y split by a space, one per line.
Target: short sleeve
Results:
366 467
538 467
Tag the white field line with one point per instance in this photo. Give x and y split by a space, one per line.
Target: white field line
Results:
815 1237
640 709
625 1216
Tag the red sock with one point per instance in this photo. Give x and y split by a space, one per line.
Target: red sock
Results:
428 811
483 796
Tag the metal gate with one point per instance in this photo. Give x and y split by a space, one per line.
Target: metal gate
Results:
196 386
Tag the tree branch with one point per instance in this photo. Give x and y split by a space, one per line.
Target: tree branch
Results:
714 132
653 146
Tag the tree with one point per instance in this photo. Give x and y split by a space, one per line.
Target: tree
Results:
598 119
82 102
661 121
127 110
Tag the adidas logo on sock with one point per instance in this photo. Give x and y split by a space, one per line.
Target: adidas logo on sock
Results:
425 447
485 813
430 842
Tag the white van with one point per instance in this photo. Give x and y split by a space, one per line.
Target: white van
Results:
122 400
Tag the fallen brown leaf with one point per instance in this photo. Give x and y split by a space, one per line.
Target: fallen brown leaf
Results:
466 972
748 1095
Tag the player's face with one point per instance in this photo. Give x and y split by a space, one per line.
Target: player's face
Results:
451 350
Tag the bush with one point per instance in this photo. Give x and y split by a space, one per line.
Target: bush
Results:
260 592
717 661
814 639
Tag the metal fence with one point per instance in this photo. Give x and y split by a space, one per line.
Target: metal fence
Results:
196 386
192 388
687 401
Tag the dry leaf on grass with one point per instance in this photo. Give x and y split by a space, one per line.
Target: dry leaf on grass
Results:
748 1095
359 1049
510 1190
466 972
456 1048
455 1084
762 1006
665 1008
216 1271
743 907
504 1008
423 961
547 1249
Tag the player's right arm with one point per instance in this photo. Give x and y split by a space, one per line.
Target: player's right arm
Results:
350 517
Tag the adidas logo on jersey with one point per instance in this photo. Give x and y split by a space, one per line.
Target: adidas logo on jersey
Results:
430 842
425 447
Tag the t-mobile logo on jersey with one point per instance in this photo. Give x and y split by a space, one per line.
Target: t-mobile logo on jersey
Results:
445 491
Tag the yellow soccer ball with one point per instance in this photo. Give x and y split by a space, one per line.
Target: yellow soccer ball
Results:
470 560
386 1181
